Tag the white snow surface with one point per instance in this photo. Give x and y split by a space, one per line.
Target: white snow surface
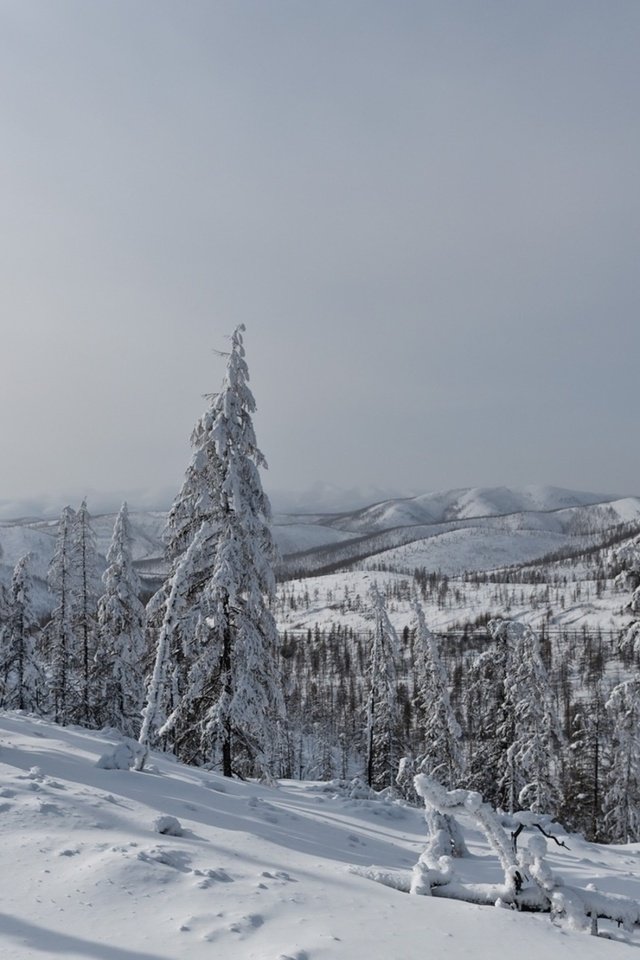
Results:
259 873
467 503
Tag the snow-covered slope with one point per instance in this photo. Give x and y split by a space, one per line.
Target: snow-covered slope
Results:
465 504
259 873
456 530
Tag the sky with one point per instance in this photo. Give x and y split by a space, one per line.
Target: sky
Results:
425 213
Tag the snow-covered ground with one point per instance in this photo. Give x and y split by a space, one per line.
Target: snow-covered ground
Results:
342 598
259 873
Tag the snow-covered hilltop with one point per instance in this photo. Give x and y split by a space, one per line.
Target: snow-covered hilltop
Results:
255 872
550 516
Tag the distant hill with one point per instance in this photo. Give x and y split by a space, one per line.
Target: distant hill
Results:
452 531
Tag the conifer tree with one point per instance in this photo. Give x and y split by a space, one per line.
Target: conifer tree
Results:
227 701
22 678
120 648
60 636
382 749
529 730
86 579
441 755
485 715
622 801
584 788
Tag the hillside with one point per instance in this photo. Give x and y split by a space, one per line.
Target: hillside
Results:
451 532
259 873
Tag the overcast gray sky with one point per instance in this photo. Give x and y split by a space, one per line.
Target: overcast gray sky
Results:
427 214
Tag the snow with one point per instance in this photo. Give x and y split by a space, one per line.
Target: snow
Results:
259 873
455 530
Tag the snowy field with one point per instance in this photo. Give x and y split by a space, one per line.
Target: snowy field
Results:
259 873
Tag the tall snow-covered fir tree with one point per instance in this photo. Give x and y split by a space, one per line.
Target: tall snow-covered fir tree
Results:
440 754
119 683
530 731
84 558
59 635
21 677
622 799
586 768
223 699
382 747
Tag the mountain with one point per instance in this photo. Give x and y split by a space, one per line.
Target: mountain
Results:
250 872
452 531
471 529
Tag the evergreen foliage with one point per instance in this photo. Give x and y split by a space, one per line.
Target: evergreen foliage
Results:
86 590
622 801
218 639
441 755
120 648
529 730
60 642
21 676
381 707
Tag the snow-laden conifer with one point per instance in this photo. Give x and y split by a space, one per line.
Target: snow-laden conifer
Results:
118 658
226 699
485 713
86 577
530 730
586 765
622 801
60 639
441 755
20 673
382 749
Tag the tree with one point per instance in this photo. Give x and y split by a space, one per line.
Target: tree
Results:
583 791
22 679
60 637
227 703
622 800
120 647
529 730
485 714
86 578
440 755
381 713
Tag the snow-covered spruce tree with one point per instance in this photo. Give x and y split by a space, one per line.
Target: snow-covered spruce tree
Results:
86 567
622 799
174 613
59 632
485 714
382 748
585 768
216 611
20 672
440 752
530 732
119 683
